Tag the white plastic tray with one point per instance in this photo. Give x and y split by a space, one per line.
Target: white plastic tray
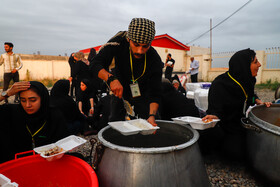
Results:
145 127
133 127
196 123
6 182
67 144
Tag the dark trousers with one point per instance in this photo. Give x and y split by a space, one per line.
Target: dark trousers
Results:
168 74
73 86
194 78
7 79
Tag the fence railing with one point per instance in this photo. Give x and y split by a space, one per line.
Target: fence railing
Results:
272 57
220 60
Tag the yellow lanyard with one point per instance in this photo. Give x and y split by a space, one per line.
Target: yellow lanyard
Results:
32 135
239 85
131 65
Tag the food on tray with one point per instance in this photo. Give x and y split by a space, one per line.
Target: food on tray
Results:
140 125
207 120
53 151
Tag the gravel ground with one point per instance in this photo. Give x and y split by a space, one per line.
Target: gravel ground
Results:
221 171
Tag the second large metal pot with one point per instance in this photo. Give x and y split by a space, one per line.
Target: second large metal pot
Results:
263 141
171 157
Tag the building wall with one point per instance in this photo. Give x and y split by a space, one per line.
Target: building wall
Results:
178 55
39 67
56 67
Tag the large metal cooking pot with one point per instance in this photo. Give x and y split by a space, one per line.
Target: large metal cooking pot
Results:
263 140
171 157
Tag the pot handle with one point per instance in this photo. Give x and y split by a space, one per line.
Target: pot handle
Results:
246 124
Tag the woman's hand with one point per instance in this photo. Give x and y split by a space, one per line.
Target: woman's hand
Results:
209 117
18 87
91 111
259 102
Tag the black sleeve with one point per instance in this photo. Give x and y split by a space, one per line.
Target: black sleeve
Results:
155 87
215 100
102 60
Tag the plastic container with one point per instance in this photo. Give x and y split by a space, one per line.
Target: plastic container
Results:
124 127
133 127
196 123
201 99
67 144
36 171
6 182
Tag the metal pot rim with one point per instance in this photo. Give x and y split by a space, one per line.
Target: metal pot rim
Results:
263 124
150 150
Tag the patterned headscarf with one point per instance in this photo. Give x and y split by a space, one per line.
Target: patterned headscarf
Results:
141 30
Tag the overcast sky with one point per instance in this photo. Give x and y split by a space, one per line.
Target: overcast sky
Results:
56 27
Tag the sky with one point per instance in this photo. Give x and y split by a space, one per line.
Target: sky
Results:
59 27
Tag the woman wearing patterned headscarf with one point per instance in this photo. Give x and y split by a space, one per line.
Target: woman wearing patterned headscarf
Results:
31 123
229 97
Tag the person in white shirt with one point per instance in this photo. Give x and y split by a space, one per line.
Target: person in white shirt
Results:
194 69
12 63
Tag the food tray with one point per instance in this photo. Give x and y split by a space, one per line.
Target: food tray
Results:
124 127
144 126
196 123
132 127
67 144
6 182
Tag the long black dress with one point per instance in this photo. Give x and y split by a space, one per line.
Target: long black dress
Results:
226 100
60 99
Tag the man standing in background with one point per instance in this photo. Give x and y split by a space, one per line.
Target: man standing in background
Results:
169 64
194 69
12 63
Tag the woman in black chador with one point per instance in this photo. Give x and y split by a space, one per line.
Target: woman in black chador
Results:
230 95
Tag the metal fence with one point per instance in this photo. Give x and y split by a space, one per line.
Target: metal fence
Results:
272 57
220 60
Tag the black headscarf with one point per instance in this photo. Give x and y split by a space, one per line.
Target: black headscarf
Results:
61 88
60 99
38 118
92 54
239 69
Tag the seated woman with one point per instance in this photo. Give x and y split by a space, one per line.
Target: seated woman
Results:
60 98
31 123
85 99
230 94
174 103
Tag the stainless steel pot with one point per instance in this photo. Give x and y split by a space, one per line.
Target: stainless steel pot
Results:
171 157
263 140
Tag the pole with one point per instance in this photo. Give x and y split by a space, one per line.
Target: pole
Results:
210 42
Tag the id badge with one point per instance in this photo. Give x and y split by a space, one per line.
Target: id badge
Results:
135 90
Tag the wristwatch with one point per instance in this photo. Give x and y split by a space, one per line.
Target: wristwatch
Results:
4 94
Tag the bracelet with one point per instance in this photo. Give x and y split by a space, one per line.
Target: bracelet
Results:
110 79
152 115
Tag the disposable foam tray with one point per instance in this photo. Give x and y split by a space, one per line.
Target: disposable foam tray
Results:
67 144
195 123
133 127
6 182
